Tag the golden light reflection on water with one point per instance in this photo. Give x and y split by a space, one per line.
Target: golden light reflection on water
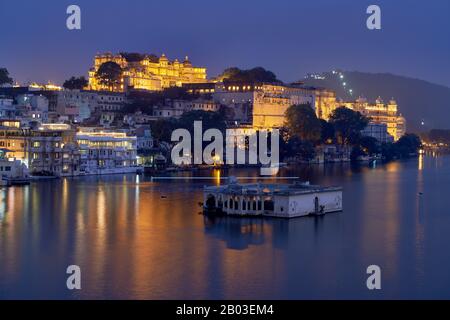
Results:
420 162
381 196
135 238
217 176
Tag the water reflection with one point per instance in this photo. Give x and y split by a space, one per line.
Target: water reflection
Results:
3 203
238 233
137 238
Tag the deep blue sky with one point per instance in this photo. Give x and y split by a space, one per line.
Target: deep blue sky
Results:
290 38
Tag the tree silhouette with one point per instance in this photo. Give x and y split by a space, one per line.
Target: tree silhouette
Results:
4 77
301 121
109 74
348 125
75 83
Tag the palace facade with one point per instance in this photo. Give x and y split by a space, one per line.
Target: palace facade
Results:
263 105
147 72
380 113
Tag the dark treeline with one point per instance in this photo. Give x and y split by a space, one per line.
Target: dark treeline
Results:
304 131
162 129
437 136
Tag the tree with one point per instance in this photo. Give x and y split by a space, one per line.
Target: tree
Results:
295 147
226 112
210 120
135 106
301 121
132 56
162 130
438 135
348 125
4 77
356 152
408 144
75 83
109 74
327 131
257 74
369 145
389 151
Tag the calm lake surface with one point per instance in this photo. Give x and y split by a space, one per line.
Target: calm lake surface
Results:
140 239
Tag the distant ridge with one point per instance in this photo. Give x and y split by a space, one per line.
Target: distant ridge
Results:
418 100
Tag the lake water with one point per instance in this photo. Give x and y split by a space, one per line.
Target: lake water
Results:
140 239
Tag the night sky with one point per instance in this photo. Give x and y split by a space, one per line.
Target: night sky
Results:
291 38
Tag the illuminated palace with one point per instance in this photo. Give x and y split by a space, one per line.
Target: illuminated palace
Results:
380 113
264 105
147 72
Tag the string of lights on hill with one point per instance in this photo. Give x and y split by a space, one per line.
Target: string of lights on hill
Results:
338 76
415 97
343 81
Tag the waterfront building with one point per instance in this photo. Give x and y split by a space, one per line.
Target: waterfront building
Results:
48 150
276 200
380 113
14 139
147 72
103 152
11 168
332 153
52 151
57 150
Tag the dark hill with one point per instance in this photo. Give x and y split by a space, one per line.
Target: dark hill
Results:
418 100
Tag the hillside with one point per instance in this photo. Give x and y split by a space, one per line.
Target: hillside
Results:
419 101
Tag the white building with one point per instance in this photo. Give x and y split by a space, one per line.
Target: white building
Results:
378 131
276 200
106 152
11 168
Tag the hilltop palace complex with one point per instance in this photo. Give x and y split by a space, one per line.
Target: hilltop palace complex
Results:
258 105
148 72
69 132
